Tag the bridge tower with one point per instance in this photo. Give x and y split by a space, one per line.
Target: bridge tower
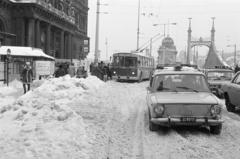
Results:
189 41
212 59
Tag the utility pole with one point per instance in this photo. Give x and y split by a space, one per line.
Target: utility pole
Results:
97 51
138 27
97 33
151 46
106 43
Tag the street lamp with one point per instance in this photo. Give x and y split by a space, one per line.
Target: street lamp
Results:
164 24
8 60
235 53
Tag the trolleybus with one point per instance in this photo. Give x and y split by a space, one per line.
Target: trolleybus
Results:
132 66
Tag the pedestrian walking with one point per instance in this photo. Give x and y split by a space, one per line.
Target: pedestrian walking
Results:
27 76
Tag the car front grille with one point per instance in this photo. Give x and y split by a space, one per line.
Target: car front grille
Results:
184 110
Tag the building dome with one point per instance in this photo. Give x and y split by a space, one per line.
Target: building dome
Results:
168 42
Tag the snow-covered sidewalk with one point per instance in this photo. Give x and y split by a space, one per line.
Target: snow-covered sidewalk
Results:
41 123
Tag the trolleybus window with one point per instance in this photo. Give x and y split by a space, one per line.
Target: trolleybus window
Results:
130 61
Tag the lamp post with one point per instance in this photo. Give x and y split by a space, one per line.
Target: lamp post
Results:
235 53
8 60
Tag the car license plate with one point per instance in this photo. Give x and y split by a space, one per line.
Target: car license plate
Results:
188 119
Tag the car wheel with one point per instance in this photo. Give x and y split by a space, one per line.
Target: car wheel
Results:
216 129
152 126
230 107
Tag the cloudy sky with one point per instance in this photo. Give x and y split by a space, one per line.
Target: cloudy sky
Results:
119 26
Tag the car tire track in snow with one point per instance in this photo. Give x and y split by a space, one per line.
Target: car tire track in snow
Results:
118 121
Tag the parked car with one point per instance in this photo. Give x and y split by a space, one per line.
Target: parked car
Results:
181 96
217 78
232 93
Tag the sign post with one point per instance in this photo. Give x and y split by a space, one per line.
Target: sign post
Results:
8 60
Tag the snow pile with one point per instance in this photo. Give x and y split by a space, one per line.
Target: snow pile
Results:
6 92
41 123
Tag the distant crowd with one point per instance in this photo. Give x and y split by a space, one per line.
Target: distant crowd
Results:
101 70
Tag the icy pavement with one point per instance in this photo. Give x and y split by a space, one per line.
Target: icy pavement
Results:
86 118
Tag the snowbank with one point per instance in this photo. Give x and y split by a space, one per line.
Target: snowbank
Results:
41 123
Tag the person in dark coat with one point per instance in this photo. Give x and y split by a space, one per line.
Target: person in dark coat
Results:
27 77
60 72
81 73
237 68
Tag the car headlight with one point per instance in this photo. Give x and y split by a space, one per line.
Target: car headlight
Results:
133 73
114 72
215 110
158 109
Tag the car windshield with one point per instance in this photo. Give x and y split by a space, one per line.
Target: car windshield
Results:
180 83
220 75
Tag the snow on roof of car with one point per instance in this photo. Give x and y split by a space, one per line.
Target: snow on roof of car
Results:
173 70
24 51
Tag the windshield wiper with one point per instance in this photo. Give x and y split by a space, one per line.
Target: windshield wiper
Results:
187 88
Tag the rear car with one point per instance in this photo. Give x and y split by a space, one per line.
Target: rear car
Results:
180 96
217 78
232 93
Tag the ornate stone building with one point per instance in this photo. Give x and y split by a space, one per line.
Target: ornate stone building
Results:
167 52
59 27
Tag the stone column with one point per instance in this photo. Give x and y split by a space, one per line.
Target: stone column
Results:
62 45
20 31
31 32
69 53
48 39
38 34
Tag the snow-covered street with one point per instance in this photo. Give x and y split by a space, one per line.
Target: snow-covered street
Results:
87 118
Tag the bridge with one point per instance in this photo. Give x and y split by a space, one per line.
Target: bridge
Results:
212 59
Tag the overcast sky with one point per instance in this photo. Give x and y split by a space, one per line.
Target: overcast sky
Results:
119 26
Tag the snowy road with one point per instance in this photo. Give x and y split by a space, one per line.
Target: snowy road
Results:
106 121
119 127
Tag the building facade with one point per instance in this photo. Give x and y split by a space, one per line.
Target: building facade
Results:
167 52
58 27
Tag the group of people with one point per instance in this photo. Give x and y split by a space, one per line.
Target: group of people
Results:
70 69
101 70
63 69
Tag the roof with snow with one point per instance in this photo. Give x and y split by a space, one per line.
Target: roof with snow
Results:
24 52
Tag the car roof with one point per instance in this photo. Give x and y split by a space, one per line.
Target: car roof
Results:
219 70
183 70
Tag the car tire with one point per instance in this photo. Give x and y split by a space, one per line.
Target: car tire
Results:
230 107
152 126
216 129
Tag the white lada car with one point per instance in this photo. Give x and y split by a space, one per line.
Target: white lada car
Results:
181 96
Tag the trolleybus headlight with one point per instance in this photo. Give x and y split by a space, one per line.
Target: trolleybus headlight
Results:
158 109
215 110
